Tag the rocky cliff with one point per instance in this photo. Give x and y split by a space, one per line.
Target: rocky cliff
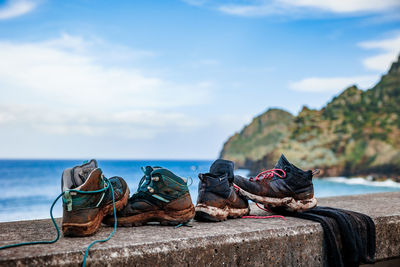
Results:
355 134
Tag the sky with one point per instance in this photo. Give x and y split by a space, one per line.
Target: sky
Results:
173 79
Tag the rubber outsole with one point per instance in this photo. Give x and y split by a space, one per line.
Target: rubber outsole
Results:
171 218
91 227
214 214
288 202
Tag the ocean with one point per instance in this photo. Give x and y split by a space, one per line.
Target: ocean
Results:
28 187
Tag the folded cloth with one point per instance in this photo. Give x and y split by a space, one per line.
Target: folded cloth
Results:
349 236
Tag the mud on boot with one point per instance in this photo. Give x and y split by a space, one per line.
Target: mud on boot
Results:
217 199
83 213
284 186
161 197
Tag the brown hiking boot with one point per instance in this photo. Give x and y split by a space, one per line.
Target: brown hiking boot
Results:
284 186
83 213
161 197
217 199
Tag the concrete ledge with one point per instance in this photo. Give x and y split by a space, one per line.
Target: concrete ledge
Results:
269 242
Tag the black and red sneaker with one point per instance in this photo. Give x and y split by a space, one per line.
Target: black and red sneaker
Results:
218 199
284 186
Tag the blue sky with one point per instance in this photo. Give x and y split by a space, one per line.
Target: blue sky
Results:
174 79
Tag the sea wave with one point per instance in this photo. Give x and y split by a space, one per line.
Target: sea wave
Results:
50 191
33 212
363 181
242 172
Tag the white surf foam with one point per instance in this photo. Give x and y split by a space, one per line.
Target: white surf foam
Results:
242 172
363 181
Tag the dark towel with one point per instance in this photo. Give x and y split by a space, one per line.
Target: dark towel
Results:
349 236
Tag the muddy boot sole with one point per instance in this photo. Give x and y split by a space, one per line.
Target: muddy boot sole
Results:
214 214
170 217
289 203
91 227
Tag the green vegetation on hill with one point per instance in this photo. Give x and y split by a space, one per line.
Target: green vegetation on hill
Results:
259 137
357 133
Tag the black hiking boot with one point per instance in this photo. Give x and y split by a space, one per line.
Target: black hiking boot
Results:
217 199
284 186
161 197
83 213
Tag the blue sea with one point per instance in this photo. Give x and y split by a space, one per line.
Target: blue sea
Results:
28 187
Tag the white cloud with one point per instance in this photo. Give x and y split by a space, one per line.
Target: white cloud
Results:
195 2
332 84
241 10
136 124
389 51
296 7
345 6
63 86
15 8
250 10
389 48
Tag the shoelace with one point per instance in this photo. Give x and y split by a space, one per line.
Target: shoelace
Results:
263 217
109 185
184 224
268 174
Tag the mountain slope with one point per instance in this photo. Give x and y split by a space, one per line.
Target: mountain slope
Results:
357 133
260 136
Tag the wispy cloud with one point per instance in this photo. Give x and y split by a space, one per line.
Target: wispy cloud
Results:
61 86
130 124
344 6
389 50
196 2
332 84
299 7
15 8
255 9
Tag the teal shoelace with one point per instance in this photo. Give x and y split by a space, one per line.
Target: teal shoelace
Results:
109 185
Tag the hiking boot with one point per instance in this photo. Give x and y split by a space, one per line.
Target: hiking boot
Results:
284 186
217 199
161 197
83 213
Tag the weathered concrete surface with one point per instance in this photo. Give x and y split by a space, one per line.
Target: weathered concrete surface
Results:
269 242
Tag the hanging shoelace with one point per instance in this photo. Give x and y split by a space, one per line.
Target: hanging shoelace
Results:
109 185
263 217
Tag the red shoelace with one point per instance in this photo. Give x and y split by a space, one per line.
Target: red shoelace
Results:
268 174
263 217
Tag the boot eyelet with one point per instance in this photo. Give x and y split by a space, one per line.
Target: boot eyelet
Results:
155 178
151 190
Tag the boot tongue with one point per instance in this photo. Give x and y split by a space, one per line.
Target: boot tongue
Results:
222 167
282 163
